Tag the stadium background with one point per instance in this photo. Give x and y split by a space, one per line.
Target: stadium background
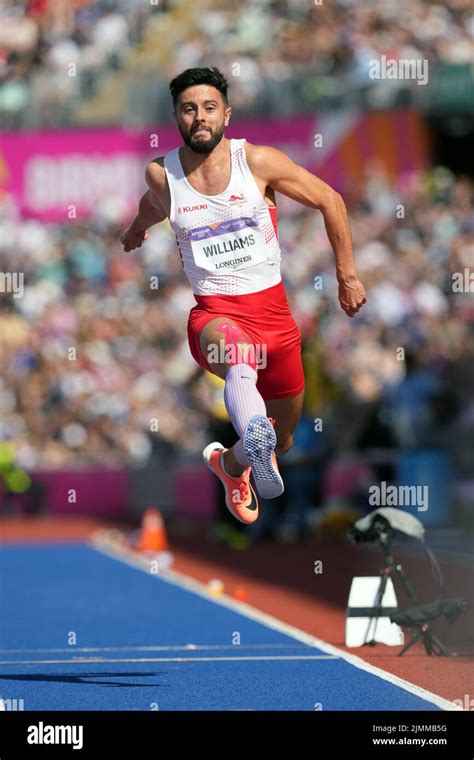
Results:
99 392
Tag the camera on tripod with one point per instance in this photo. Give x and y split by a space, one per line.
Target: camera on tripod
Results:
381 527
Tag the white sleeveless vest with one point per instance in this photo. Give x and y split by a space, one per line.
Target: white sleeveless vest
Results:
228 243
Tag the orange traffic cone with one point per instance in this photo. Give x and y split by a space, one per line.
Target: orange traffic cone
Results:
153 533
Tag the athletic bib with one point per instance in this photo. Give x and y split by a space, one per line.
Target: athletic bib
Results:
231 245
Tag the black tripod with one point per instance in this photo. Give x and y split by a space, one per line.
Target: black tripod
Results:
385 536
378 528
420 617
433 645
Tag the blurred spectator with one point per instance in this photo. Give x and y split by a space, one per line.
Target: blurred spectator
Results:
409 403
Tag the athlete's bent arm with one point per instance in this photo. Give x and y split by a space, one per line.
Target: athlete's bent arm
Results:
150 212
292 180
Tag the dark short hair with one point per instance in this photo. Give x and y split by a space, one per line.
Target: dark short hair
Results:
192 77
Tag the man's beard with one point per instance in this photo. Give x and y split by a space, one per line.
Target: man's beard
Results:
202 144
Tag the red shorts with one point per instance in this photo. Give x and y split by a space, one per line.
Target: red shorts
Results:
266 318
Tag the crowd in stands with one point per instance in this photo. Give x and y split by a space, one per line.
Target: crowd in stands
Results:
53 52
95 366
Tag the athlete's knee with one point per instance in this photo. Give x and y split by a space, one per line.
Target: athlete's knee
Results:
237 345
284 444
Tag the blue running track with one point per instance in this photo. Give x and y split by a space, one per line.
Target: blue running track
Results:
142 642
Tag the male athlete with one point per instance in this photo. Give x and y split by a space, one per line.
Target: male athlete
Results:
219 197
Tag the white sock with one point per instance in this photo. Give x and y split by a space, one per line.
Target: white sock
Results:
242 401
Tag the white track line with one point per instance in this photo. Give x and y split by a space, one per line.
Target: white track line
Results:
185 648
85 660
122 554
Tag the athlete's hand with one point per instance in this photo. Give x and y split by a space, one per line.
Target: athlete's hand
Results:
351 296
132 238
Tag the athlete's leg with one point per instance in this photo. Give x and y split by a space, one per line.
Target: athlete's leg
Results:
223 343
286 412
230 354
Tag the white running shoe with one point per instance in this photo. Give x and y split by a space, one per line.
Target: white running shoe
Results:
259 445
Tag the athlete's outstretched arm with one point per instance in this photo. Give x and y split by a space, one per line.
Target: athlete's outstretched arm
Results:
292 180
150 212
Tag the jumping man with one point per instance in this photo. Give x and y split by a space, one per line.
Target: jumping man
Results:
219 197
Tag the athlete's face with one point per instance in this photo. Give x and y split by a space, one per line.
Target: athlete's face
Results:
201 116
